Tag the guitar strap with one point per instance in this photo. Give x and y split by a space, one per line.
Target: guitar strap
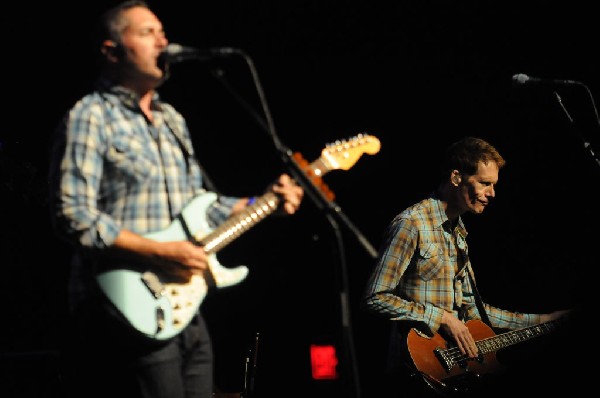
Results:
478 301
174 127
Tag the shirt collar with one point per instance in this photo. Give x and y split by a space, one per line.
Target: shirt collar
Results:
439 215
125 96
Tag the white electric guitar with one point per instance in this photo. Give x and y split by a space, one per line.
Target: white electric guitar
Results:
160 304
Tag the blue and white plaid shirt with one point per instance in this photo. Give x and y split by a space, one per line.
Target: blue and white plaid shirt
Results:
114 169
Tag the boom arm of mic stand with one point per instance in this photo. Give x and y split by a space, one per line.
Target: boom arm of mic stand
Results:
321 201
586 143
296 171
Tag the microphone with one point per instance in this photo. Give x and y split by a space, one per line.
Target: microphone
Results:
174 53
523 79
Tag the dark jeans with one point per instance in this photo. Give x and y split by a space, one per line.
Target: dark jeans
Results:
101 358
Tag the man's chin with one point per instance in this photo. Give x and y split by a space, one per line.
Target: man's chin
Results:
477 209
166 72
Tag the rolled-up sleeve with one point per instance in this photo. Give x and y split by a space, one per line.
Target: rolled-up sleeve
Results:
79 154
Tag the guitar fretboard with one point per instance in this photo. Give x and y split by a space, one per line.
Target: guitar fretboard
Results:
240 223
516 336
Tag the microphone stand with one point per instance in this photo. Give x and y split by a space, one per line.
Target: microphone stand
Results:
333 212
586 143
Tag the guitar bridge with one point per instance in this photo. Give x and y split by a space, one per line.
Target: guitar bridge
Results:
160 320
153 284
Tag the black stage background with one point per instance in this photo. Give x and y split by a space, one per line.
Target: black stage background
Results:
415 74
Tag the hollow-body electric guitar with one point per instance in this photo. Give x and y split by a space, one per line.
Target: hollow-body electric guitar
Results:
159 304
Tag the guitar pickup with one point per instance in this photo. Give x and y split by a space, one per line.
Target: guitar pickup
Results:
445 360
153 284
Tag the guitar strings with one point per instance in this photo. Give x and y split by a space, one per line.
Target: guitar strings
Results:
485 345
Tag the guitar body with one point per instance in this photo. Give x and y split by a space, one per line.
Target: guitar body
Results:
443 367
160 305
425 354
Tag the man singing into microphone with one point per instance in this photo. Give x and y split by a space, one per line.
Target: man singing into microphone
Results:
123 166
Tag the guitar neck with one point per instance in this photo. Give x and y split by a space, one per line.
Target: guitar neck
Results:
239 223
319 167
507 339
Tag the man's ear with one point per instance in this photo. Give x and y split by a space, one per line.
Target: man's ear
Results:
455 177
112 50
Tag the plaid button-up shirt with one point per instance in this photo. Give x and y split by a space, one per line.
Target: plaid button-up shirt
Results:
114 169
422 270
